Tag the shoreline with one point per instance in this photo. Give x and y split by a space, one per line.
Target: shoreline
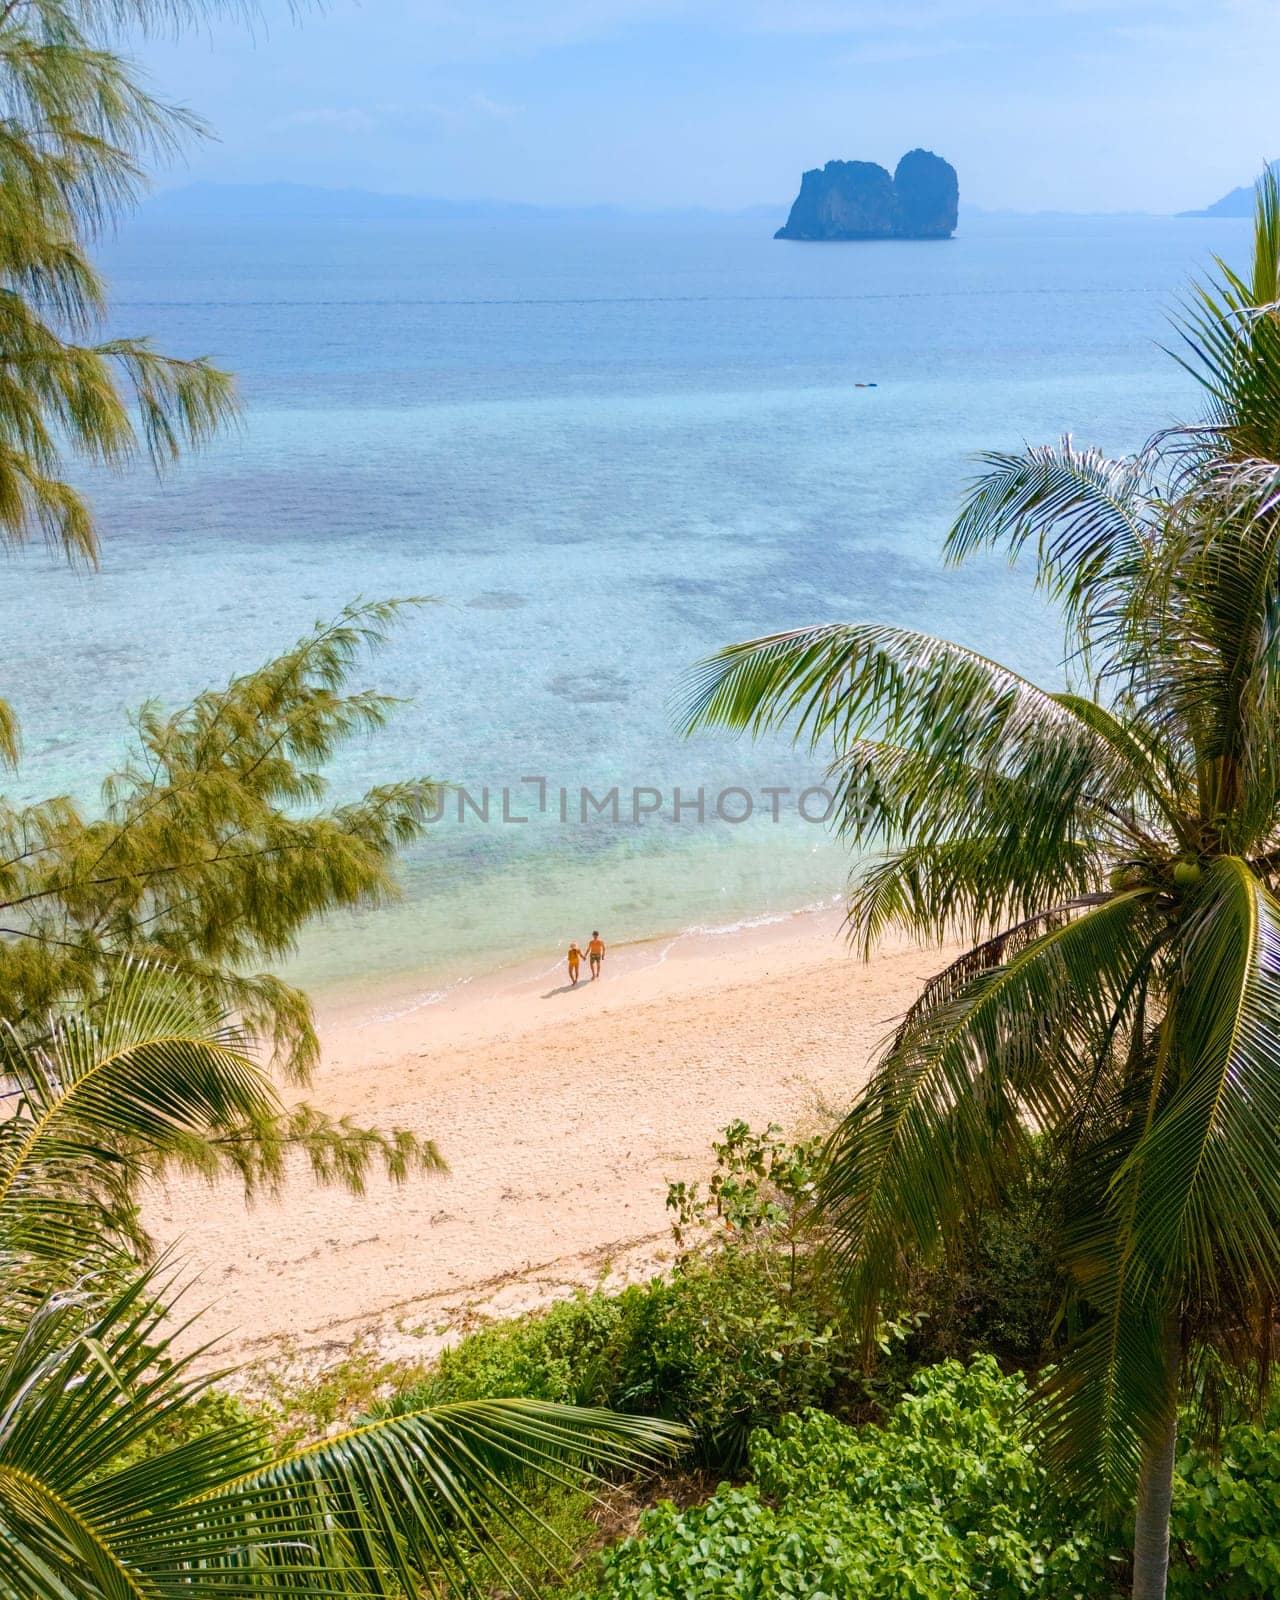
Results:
389 996
392 998
562 1114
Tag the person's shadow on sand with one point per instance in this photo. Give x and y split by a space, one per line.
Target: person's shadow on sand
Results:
565 988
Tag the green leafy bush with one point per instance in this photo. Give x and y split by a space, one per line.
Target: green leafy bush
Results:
1000 1291
720 1346
1226 1519
948 1499
549 1355
761 1197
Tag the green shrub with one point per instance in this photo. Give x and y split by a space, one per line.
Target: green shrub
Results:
549 1355
722 1346
1000 1292
1226 1519
948 1499
761 1197
743 1333
747 1330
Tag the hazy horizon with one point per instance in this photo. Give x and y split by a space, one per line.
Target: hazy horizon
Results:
1066 105
184 185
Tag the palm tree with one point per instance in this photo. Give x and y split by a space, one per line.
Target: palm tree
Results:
1110 850
88 1367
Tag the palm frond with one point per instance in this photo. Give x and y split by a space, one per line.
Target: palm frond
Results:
924 697
991 796
421 1493
1097 1404
1206 643
1140 744
150 1077
1229 333
967 886
1206 1172
1089 517
995 1053
393 1507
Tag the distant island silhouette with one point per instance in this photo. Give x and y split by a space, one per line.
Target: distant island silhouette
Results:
1239 203
859 200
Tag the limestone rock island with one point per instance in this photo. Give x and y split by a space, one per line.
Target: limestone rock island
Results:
859 200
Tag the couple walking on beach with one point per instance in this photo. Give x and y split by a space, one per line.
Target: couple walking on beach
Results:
595 955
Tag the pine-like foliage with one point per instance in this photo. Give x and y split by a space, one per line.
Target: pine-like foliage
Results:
77 122
212 847
1114 855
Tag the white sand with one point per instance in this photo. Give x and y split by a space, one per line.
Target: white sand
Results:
562 1114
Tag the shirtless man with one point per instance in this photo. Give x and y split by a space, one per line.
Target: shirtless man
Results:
595 953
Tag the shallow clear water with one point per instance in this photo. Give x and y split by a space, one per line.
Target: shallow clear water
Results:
607 450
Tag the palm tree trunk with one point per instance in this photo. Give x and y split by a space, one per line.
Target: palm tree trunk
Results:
1155 1482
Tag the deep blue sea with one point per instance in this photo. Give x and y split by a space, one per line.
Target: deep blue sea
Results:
606 449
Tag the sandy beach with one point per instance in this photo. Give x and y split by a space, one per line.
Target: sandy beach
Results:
561 1112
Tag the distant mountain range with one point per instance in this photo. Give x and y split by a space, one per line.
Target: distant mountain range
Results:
300 202
225 204
1239 203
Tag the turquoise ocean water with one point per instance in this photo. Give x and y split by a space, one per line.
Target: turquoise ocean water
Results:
606 449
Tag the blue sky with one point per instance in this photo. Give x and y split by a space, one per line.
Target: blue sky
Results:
1075 104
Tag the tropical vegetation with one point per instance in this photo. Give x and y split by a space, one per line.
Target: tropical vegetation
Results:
947 1499
212 843
909 1474
90 1368
1110 850
1069 1152
739 1336
79 125
925 1474
211 848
